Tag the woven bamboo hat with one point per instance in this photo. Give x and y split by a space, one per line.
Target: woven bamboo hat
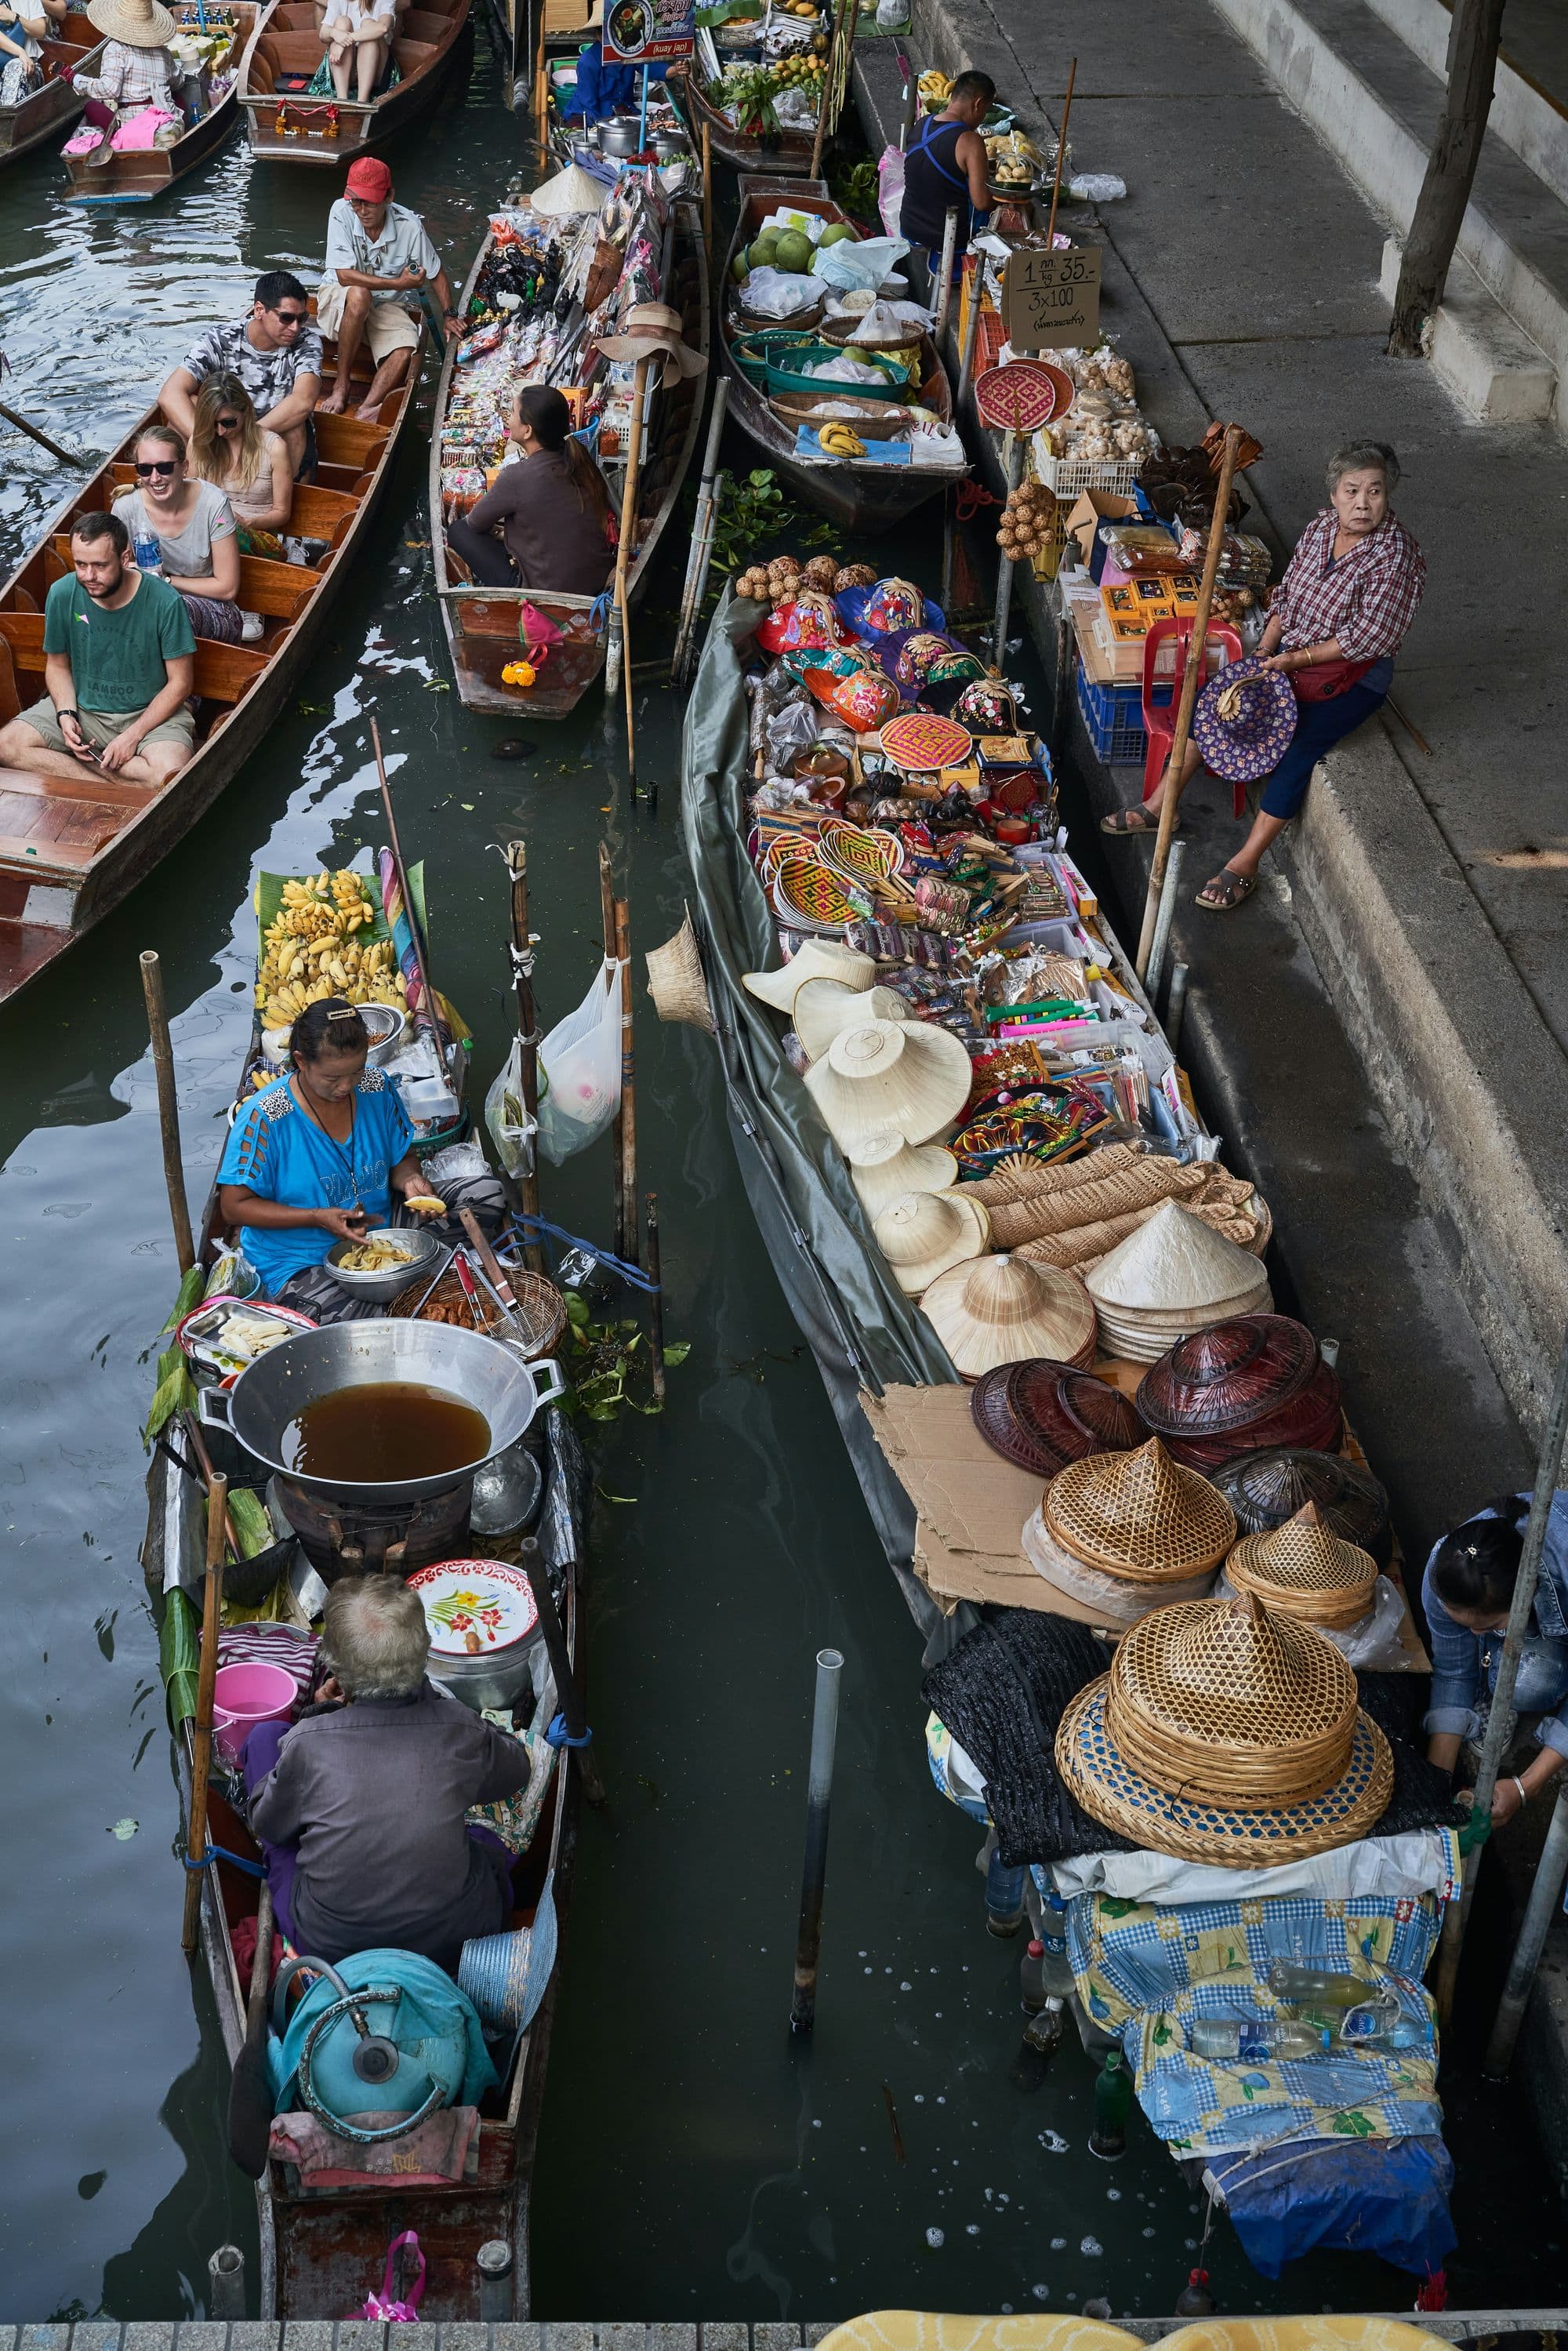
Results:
140 24
925 1232
818 960
823 1009
1116 1599
1174 1275
902 1077
1264 1489
1225 1733
889 1169
1139 1514
675 980
1304 1570
1000 1310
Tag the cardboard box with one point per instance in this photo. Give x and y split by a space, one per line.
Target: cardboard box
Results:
563 17
1084 518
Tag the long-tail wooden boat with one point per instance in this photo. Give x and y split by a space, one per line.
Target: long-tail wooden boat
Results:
71 847
56 105
856 494
284 52
137 178
481 623
786 156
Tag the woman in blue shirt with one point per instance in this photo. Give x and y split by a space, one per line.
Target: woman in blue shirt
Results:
318 1158
1467 1592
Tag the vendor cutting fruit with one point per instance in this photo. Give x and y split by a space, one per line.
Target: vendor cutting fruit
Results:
946 166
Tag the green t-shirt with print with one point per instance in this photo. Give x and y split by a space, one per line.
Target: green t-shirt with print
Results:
117 657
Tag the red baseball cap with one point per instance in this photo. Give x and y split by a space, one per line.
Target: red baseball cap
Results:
370 180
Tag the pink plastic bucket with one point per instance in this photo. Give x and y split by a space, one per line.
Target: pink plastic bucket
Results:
244 1696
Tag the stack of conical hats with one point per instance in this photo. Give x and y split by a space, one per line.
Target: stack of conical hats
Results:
1002 1309
1125 1532
1304 1570
1176 1274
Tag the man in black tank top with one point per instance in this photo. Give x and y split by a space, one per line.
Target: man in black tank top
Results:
946 166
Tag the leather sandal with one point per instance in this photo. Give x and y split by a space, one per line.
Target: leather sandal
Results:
1129 823
1226 891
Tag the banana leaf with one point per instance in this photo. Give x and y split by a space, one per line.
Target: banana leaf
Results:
268 902
192 1285
175 1391
179 1658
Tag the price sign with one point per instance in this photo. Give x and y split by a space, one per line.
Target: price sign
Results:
1050 301
649 32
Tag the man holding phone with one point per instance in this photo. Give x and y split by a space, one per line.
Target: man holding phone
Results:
118 662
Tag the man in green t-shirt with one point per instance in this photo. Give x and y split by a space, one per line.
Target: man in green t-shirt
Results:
119 661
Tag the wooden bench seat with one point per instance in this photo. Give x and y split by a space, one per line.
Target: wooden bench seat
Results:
222 673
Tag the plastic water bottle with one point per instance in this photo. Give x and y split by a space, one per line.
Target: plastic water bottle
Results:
1053 1935
147 554
1041 2040
1319 1987
1112 2104
1251 2040
1004 1894
1032 1978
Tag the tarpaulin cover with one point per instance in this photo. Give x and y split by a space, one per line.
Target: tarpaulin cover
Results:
1389 2197
861 1328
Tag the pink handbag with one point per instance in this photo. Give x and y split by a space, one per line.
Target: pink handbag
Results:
385 2305
537 633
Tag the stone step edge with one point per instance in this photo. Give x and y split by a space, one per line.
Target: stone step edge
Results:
1525 115
586 2334
1486 360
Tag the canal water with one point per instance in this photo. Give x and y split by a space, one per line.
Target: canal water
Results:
692 2162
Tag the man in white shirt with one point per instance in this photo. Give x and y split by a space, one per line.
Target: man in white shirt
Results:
377 254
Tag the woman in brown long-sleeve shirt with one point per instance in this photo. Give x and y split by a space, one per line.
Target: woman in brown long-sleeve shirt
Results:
542 524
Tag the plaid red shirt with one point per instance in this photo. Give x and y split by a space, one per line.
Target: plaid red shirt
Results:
1367 599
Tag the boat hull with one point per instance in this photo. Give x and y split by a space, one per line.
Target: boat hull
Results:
789 156
141 179
52 109
323 132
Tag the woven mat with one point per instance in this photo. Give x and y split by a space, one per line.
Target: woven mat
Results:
1028 1179
1146 1185
1002 1693
1081 1247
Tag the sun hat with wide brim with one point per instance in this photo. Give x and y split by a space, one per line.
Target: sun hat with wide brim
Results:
1304 1570
1223 1733
1140 1514
818 960
652 329
824 1009
925 1232
896 1077
889 1169
1244 720
1000 1310
1228 1375
140 24
1042 1414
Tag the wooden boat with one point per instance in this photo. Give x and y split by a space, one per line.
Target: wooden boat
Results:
70 848
55 106
856 494
286 127
786 157
137 178
481 623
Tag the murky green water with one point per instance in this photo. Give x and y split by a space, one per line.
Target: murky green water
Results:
692 2162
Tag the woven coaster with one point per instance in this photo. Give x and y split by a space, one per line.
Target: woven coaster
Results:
920 742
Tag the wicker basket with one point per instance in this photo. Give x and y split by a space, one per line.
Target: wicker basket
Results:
1140 1514
540 1308
675 980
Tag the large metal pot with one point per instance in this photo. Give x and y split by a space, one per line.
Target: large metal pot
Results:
276 1389
617 137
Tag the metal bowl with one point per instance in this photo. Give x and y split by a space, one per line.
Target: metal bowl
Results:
422 1251
386 1025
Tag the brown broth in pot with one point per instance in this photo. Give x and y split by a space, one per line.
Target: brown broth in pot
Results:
385 1434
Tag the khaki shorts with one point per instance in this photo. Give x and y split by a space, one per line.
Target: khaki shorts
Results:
387 329
101 726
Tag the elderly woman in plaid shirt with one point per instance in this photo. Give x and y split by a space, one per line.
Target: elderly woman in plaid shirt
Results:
1349 594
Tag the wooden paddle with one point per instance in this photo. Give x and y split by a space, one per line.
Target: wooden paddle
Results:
250 2088
202 1751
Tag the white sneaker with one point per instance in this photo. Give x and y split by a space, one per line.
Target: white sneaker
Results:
250 628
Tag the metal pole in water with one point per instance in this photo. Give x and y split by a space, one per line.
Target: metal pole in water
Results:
1012 458
225 2284
494 2262
819 1795
1544 1896
945 291
1176 1006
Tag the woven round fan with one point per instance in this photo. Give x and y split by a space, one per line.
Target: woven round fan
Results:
1139 1513
919 741
1266 1489
1018 398
1228 1375
808 895
1303 1569
858 852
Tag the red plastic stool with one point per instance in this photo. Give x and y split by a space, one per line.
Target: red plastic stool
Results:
1159 717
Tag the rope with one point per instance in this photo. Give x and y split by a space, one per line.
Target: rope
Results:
221 1853
558 1735
523 958
972 497
599 615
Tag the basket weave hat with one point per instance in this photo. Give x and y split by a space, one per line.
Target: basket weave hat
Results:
1304 1570
889 1169
1264 1489
818 960
824 1009
1228 1375
1223 1733
925 1232
903 1077
140 24
1139 1514
1116 1599
675 980
1000 1310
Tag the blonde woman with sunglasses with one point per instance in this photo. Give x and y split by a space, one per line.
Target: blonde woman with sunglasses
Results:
233 449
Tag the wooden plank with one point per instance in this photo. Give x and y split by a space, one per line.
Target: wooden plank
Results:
66 860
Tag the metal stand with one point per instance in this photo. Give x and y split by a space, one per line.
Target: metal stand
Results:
814 1870
1544 1896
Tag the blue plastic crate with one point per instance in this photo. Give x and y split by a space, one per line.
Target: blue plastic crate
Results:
1114 716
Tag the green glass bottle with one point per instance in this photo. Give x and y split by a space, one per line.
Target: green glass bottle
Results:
1113 2103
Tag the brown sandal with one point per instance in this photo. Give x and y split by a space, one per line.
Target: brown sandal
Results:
1129 823
1226 891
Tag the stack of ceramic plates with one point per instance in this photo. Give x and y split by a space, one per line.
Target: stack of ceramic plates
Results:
1174 1275
1042 1414
1125 1532
1002 1310
1250 1384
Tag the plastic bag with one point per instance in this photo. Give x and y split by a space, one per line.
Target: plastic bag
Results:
1096 187
579 1071
780 293
848 265
889 188
511 1130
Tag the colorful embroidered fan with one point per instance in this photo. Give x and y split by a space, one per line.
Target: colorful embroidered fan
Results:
918 742
809 895
1018 398
859 854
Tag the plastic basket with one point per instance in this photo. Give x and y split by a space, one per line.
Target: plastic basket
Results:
772 362
1114 717
1070 479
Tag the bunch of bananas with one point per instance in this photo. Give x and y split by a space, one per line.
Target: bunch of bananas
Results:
312 949
936 90
838 441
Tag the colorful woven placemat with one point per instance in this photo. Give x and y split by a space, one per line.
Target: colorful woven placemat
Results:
858 852
1018 398
807 893
919 742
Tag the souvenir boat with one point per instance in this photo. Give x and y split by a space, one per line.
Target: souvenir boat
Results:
286 126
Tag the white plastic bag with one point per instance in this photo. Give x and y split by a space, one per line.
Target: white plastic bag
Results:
889 188
866 264
579 1069
512 1131
780 293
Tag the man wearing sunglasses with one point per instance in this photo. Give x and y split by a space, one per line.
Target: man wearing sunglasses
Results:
277 354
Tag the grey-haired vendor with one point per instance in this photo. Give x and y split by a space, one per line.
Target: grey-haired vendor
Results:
1467 1592
1338 617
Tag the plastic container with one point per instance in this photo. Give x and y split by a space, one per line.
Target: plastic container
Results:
1113 718
244 1696
1112 2105
147 554
1032 1978
1053 1935
1254 2039
1004 1896
1041 2040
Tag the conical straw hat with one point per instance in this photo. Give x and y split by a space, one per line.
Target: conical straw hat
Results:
823 1009
818 960
1304 1570
571 191
1140 1514
886 1170
1119 1598
883 1075
1000 1310
1224 1733
925 1232
1174 1262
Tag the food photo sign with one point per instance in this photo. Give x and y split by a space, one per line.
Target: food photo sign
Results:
649 32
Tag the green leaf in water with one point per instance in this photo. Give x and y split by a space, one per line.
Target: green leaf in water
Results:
614 1498
676 1350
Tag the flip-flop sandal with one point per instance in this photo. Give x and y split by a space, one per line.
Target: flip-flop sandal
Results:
1226 891
1133 823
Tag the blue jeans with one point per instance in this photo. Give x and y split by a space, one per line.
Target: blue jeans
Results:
1540 1688
1319 726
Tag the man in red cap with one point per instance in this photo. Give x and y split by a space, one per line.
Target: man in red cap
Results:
377 255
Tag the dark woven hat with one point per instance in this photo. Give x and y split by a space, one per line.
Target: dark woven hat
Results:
1311 1421
1266 1489
1228 1375
1042 1414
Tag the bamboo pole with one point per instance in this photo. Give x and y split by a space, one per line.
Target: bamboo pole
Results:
420 937
656 1300
1197 645
568 1696
541 85
517 854
202 1747
707 200
623 552
1061 154
1012 466
814 1868
607 925
167 1109
971 332
628 1185
701 553
829 80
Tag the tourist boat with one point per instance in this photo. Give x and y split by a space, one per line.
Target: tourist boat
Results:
72 847
284 52
55 105
856 494
786 156
137 178
481 623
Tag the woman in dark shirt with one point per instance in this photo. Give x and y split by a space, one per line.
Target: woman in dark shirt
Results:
549 508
